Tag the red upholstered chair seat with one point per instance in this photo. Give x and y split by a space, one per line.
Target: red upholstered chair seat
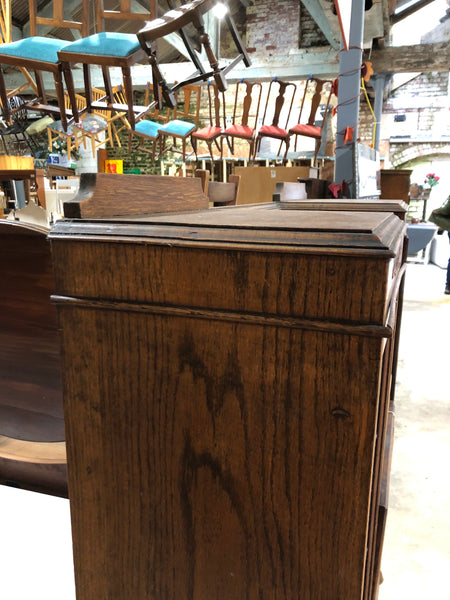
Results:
206 133
307 130
243 131
273 131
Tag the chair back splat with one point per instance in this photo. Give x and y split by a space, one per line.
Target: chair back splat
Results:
108 49
272 129
56 131
40 54
212 133
320 89
177 20
246 107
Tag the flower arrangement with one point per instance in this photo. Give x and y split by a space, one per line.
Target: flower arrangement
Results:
431 179
59 146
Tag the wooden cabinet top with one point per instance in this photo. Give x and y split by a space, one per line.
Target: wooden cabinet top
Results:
271 226
236 259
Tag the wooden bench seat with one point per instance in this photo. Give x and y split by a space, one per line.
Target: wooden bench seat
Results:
32 446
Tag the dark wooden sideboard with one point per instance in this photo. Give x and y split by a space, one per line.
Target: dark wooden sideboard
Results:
226 380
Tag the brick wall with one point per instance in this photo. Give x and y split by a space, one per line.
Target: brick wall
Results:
272 28
310 34
426 85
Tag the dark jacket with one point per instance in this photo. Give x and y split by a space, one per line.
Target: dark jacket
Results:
441 216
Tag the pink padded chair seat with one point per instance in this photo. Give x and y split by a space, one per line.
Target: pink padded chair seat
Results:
206 133
273 131
243 131
307 130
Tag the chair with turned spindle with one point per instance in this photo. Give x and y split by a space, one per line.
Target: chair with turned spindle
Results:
39 54
177 20
108 49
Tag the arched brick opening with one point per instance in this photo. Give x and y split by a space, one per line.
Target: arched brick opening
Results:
404 154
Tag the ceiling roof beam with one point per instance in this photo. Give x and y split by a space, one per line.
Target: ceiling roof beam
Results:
317 13
421 58
407 12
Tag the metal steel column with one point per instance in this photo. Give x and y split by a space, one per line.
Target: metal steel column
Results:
378 83
348 99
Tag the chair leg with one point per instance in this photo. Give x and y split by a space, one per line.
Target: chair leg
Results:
57 76
287 141
87 86
92 138
128 88
194 146
108 86
316 151
130 139
68 78
4 98
154 149
252 150
114 130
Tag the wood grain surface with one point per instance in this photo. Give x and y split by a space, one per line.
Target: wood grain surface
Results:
103 195
32 450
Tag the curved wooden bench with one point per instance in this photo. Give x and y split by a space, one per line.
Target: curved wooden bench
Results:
32 448
42 465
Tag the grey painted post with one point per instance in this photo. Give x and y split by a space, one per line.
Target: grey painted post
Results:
348 99
378 82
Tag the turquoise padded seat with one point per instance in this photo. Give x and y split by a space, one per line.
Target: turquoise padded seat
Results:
177 127
105 44
39 48
149 128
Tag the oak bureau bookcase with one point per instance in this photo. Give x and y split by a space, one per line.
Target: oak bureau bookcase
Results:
227 378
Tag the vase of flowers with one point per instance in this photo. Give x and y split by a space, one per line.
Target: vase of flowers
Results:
431 180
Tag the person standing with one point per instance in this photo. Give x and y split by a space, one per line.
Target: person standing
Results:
441 218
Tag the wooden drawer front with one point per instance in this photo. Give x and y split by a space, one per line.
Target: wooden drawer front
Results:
296 285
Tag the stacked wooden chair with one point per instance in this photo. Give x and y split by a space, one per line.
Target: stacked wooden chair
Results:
98 126
108 49
56 131
184 121
245 115
212 133
318 89
177 20
40 54
273 113
147 130
15 133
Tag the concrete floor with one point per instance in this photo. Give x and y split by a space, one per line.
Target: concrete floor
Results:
35 548
416 555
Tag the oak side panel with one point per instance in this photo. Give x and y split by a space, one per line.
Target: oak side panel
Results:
217 461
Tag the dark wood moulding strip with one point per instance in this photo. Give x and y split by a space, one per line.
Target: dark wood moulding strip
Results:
345 328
